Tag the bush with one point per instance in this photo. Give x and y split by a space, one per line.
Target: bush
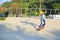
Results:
2 18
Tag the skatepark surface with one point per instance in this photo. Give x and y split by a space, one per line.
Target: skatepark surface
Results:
22 28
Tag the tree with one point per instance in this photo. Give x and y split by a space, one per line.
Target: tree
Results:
14 7
2 10
17 0
6 4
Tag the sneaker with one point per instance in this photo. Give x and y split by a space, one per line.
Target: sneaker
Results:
42 27
39 29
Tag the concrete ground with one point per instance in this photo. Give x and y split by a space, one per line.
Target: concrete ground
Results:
19 28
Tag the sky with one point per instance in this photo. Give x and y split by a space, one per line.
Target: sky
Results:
2 1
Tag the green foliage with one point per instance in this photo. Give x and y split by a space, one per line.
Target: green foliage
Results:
44 7
36 14
2 18
25 5
56 5
21 3
32 4
17 0
6 4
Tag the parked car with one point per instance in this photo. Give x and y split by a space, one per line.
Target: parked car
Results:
1 15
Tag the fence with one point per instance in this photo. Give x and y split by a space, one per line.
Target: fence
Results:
28 12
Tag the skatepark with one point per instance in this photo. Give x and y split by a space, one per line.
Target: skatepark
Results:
22 28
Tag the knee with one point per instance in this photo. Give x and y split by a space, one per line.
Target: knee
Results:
44 24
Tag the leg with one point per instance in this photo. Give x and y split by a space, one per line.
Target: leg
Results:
40 26
44 23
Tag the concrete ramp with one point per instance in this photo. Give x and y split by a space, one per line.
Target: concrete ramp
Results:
19 28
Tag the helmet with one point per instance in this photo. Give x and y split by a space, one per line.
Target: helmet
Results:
40 12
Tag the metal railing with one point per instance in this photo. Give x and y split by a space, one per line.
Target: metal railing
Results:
22 12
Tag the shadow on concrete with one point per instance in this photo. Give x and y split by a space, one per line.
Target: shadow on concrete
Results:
9 34
33 24
56 33
20 34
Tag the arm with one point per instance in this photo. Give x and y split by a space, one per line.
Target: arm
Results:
45 12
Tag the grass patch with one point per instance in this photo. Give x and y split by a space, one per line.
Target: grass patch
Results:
2 18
